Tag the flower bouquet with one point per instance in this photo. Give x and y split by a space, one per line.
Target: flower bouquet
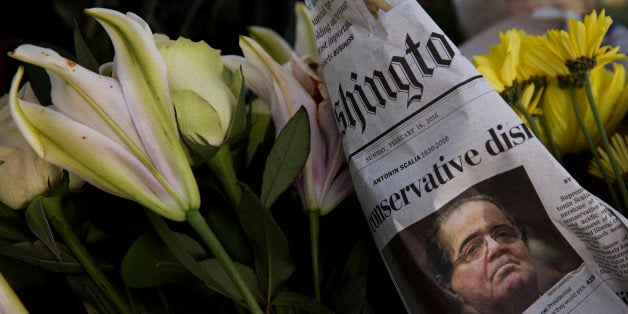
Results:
151 173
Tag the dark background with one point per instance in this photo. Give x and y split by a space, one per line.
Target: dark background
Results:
217 22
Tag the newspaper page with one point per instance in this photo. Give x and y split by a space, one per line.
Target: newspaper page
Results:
468 209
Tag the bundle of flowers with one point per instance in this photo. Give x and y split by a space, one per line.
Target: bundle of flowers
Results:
169 177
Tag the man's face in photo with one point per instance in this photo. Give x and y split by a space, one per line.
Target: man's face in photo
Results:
493 270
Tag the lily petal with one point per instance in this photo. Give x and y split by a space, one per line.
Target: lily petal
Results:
81 94
75 146
142 73
254 78
306 76
277 47
329 131
305 43
288 97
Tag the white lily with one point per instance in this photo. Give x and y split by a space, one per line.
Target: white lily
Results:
118 133
23 175
324 182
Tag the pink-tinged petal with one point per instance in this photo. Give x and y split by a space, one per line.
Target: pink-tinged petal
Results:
142 73
335 159
258 58
329 132
280 107
87 153
290 96
305 75
81 94
254 78
72 103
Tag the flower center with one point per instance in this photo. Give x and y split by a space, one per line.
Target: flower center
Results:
512 94
578 70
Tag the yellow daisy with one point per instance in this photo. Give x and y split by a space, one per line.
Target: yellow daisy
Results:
499 65
610 91
569 55
620 151
530 99
502 68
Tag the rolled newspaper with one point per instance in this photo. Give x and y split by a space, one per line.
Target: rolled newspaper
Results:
468 209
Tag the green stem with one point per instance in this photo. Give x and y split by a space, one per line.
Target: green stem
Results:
198 223
592 148
221 164
54 211
530 118
606 144
182 255
314 217
550 138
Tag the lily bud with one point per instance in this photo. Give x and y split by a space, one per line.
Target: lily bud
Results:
23 175
208 98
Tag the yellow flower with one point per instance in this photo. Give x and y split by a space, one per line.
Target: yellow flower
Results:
610 93
499 66
530 100
508 75
568 54
620 151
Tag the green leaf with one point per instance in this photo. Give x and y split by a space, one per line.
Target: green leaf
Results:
63 186
286 158
85 289
148 263
39 254
301 301
358 261
238 122
173 243
228 231
343 276
38 223
12 226
260 118
20 275
83 53
213 267
273 262
200 146
349 297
